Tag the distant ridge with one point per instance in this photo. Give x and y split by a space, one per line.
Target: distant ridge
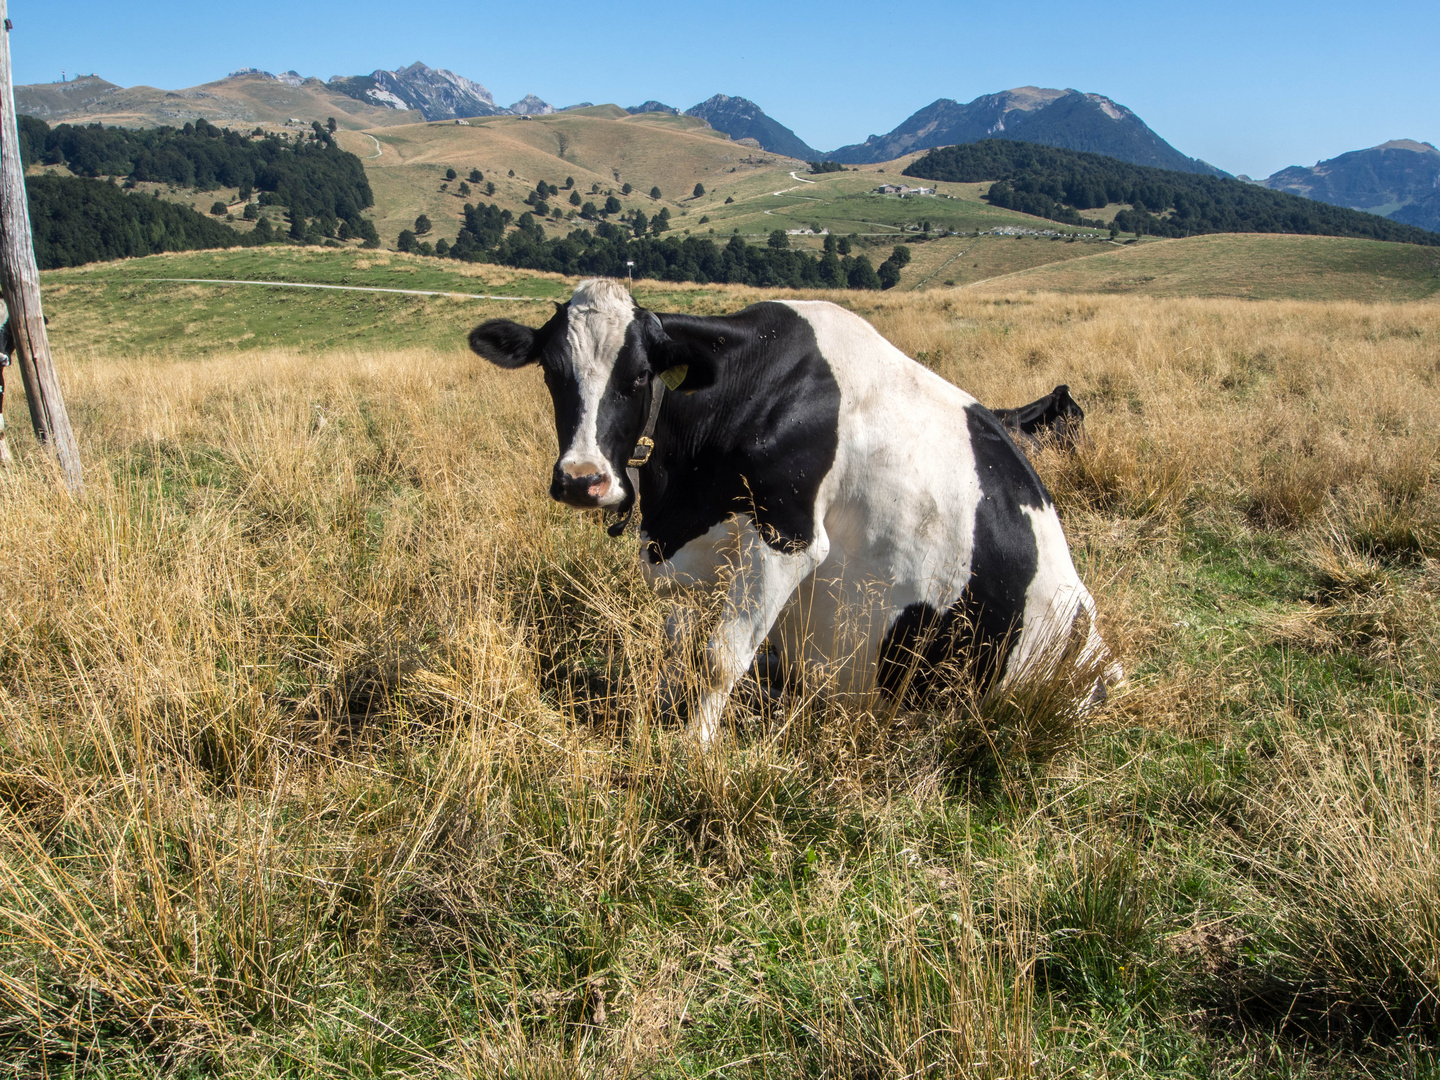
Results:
741 118
1399 180
1067 119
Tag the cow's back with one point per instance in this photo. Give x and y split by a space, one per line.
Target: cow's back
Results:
941 534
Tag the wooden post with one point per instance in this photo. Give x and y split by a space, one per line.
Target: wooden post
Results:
20 286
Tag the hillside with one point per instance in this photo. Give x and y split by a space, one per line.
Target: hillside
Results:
746 191
600 147
1399 179
1245 267
1064 118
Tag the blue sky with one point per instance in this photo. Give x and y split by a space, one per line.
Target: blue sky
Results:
1251 87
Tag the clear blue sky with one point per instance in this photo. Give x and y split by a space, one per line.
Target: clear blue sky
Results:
1251 87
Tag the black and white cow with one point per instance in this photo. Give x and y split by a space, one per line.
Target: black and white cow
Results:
874 518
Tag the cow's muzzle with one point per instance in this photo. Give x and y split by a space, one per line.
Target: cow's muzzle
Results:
586 491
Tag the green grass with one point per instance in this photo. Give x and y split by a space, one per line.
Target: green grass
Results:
846 203
115 307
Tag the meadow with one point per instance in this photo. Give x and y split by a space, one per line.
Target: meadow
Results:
328 743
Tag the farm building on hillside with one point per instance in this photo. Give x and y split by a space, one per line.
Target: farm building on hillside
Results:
902 190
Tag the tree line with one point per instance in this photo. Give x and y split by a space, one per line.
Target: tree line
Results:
610 249
309 174
76 221
1053 183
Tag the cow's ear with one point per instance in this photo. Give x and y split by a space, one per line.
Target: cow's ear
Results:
505 343
679 366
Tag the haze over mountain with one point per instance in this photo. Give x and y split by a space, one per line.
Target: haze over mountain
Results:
1399 179
1065 118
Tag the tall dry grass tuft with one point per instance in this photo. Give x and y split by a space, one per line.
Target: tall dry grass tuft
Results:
1347 933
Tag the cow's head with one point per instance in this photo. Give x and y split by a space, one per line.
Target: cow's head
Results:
600 353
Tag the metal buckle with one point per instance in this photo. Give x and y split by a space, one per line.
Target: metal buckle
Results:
641 454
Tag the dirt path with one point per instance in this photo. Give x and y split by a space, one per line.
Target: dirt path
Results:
341 288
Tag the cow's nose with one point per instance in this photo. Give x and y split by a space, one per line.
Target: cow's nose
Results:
576 469
585 489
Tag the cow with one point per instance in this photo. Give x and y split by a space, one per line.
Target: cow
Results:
859 511
1055 418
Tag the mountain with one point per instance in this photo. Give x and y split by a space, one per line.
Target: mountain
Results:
1399 179
741 118
653 106
1064 118
244 97
530 105
52 101
435 93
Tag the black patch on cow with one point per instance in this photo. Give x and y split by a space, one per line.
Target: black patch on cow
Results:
760 440
1056 417
971 641
507 344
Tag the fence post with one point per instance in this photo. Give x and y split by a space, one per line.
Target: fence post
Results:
20 286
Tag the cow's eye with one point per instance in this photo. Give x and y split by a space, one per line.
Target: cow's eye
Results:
640 381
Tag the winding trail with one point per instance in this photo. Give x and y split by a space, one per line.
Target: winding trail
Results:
378 148
782 191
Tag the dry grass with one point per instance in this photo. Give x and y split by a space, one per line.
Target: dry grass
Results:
328 741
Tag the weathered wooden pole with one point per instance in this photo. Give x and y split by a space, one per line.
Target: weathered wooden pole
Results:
20 286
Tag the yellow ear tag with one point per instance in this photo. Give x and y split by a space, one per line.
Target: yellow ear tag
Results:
673 377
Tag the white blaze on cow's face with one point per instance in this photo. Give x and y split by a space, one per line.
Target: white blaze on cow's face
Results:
599 318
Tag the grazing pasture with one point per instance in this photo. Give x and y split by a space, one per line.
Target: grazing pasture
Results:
327 748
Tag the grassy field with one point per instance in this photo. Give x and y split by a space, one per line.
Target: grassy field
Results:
1247 266
328 745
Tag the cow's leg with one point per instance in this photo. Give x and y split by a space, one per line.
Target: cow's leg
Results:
762 583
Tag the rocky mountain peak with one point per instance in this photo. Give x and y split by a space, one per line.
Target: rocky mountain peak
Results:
530 105
741 118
